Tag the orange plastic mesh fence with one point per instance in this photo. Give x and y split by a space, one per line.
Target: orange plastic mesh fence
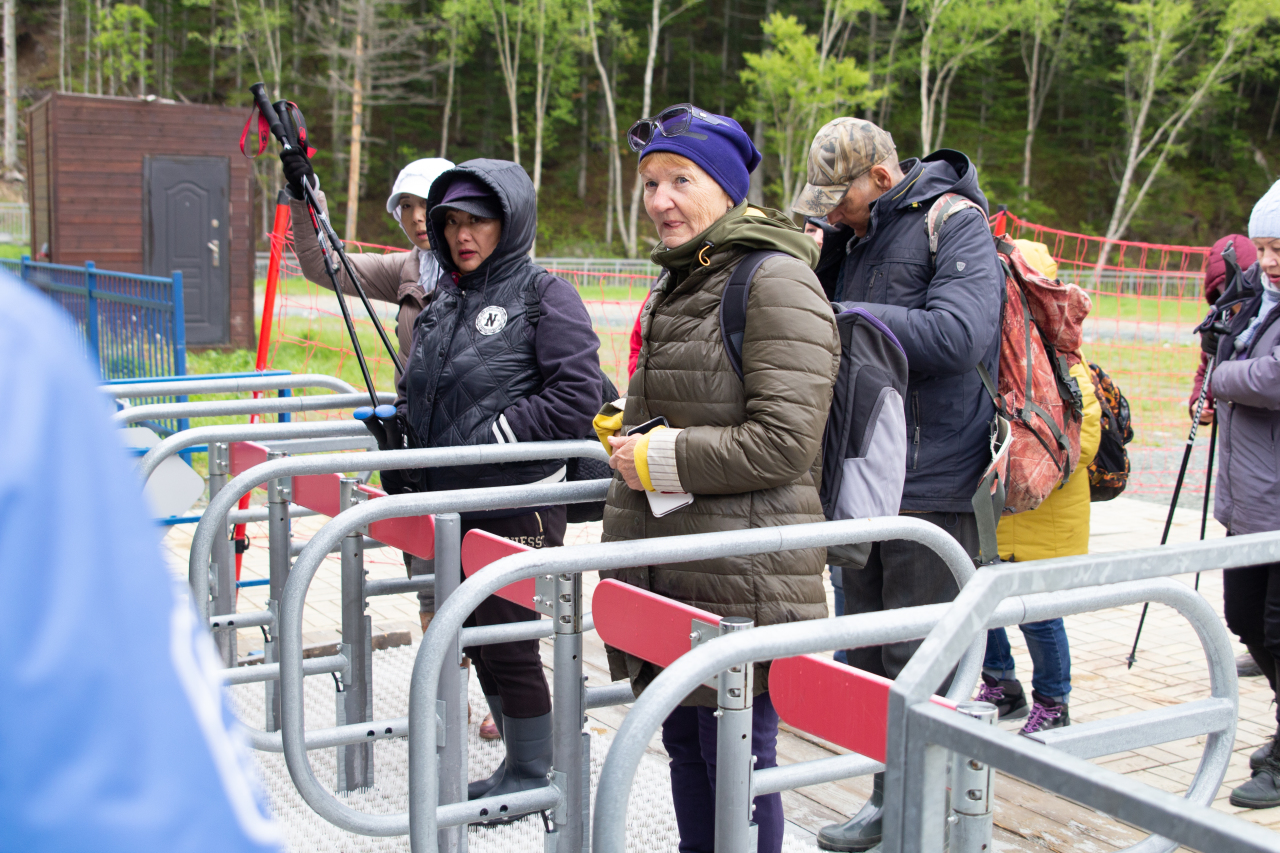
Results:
1146 301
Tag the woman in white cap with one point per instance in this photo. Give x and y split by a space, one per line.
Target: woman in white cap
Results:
404 278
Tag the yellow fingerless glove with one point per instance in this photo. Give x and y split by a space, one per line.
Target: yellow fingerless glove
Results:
642 459
608 422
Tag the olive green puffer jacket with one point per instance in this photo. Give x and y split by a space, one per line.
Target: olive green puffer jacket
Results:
749 449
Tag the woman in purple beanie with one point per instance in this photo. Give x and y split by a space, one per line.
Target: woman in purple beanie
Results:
743 448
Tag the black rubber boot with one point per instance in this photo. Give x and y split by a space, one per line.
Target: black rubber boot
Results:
862 832
528 758
1263 790
476 790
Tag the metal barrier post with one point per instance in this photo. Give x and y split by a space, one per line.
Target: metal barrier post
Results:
355 691
970 821
222 563
451 708
569 835
91 312
735 831
279 540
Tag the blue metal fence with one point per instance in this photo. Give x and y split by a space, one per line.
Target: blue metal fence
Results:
133 324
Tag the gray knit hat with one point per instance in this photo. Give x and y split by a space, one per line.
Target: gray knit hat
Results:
1265 219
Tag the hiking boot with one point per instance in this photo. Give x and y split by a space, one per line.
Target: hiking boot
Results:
1046 714
862 832
1007 696
1259 755
1263 790
1247 667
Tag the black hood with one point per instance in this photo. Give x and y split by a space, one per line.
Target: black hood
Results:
511 184
943 171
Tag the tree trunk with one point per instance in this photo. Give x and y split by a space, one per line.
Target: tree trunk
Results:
1033 77
755 189
868 113
541 91
583 134
97 48
509 58
448 95
213 45
611 110
646 109
10 92
888 65
357 128
62 46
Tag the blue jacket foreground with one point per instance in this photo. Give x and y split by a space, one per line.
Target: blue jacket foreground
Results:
115 734
946 313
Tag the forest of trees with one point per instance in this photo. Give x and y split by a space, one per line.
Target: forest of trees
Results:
1151 120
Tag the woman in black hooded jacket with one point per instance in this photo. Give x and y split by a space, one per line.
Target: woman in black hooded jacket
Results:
504 352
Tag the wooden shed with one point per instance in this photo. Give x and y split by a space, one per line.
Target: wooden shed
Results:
149 186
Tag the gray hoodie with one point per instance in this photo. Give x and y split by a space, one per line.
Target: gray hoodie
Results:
1247 499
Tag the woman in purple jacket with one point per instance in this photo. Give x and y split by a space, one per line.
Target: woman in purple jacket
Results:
1246 385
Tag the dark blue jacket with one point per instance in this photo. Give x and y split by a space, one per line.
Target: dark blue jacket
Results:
486 364
946 313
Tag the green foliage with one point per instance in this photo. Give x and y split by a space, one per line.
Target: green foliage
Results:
725 56
796 90
123 40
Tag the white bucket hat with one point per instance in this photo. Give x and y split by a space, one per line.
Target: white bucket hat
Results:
416 178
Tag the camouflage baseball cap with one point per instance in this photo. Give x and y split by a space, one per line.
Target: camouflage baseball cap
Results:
844 150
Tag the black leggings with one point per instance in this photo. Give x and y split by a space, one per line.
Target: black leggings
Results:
513 671
1251 604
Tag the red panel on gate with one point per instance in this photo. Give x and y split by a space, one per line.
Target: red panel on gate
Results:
321 493
318 492
846 706
642 623
480 548
245 455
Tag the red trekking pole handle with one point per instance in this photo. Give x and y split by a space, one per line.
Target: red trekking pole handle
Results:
259 91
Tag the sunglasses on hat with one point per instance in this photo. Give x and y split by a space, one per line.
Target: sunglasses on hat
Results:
673 121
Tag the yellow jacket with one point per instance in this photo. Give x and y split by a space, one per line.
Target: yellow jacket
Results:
1059 527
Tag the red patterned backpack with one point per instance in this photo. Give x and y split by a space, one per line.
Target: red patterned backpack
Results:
1041 330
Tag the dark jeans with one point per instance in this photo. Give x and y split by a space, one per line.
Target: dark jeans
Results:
1050 657
513 671
689 736
904 574
1251 604
837 584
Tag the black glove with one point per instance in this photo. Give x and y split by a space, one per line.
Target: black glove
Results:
394 433
297 168
1209 339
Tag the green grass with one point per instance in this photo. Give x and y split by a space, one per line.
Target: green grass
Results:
14 251
1148 309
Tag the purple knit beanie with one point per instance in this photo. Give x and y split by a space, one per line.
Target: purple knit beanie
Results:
724 151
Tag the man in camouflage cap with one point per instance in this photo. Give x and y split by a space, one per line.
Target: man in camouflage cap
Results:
944 308
844 150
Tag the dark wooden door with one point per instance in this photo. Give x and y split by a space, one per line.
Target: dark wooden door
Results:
186 228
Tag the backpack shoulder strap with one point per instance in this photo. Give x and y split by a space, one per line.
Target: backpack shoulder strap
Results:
733 305
944 206
533 290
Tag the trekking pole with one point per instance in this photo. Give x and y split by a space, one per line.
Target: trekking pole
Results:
278 130
1177 489
1208 482
336 246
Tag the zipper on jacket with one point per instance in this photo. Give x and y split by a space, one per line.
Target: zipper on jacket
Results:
915 416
